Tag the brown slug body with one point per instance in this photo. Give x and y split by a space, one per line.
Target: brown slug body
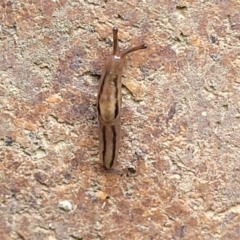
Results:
109 102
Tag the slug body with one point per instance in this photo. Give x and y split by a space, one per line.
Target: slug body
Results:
109 102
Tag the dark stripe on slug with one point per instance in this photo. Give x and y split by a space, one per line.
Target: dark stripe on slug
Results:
116 96
116 109
100 92
98 108
104 144
114 145
101 88
115 84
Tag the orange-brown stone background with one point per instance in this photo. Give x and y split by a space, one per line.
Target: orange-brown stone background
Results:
178 175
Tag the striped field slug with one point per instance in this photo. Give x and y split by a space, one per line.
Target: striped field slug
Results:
109 102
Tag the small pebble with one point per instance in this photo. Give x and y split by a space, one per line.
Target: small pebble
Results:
65 205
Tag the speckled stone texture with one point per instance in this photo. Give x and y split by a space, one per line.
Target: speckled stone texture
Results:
178 174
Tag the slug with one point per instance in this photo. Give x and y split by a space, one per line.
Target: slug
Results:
109 102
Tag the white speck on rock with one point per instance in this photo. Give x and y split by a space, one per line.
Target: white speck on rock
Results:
65 205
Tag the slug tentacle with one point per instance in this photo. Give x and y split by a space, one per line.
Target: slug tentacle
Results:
132 49
115 42
109 102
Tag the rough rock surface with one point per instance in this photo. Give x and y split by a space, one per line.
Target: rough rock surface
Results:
178 175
